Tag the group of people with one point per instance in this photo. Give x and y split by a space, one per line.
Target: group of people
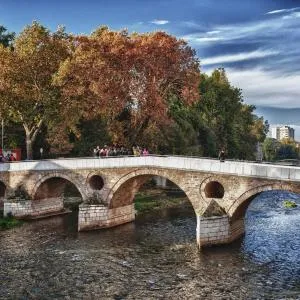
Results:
9 157
116 150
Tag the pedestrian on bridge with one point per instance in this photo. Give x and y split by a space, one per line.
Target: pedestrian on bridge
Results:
222 155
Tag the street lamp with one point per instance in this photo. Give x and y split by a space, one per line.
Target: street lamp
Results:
41 151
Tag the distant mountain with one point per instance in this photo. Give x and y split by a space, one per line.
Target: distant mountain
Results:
281 116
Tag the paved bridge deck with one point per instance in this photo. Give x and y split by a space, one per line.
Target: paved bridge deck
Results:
240 168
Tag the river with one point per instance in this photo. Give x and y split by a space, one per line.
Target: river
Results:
155 257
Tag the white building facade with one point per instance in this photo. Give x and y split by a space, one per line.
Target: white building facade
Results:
283 132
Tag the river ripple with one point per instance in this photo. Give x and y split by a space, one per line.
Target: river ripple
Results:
154 258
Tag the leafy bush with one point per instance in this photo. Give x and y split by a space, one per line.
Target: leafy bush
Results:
9 222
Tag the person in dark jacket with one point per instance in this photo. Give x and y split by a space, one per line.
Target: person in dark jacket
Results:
222 155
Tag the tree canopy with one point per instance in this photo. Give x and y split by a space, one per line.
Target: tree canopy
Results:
232 122
280 150
26 72
128 79
72 92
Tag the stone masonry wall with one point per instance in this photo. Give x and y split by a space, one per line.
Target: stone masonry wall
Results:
218 230
237 229
99 216
212 230
33 208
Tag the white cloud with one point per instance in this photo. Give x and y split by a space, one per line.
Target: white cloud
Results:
265 88
280 11
292 16
250 30
237 57
191 24
213 32
160 22
199 40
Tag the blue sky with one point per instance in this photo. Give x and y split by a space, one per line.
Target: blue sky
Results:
256 41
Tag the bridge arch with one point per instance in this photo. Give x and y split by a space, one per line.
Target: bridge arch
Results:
238 209
123 191
52 179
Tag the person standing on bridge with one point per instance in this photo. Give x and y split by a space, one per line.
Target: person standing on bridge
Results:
222 155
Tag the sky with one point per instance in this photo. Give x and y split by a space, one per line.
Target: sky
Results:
256 41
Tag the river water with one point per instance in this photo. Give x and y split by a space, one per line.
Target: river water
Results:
155 257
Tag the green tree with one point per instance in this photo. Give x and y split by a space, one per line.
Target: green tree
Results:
231 124
26 73
270 148
92 133
6 37
287 151
5 40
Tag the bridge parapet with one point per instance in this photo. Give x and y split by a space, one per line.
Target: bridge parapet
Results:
239 168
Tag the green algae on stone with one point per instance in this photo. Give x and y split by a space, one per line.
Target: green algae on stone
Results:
289 204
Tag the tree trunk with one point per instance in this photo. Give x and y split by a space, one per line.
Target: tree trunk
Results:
29 148
31 134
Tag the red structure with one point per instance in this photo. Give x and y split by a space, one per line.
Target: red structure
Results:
16 153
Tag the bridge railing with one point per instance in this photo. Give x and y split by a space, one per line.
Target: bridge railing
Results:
240 168
283 163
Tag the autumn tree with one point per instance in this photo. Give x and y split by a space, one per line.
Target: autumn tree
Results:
26 72
128 80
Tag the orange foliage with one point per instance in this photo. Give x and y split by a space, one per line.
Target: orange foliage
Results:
112 72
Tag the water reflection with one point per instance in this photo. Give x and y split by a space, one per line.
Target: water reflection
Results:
154 258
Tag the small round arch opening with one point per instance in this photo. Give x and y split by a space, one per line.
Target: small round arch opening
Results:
214 189
96 182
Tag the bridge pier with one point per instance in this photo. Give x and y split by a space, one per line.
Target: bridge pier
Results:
217 230
99 216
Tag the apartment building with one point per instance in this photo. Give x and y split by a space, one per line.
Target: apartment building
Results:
283 132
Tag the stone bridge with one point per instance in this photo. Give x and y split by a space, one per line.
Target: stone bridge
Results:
219 192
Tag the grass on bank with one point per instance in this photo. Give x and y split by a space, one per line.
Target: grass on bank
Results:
156 200
9 222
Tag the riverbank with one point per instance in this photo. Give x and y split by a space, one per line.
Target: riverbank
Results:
9 222
157 199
